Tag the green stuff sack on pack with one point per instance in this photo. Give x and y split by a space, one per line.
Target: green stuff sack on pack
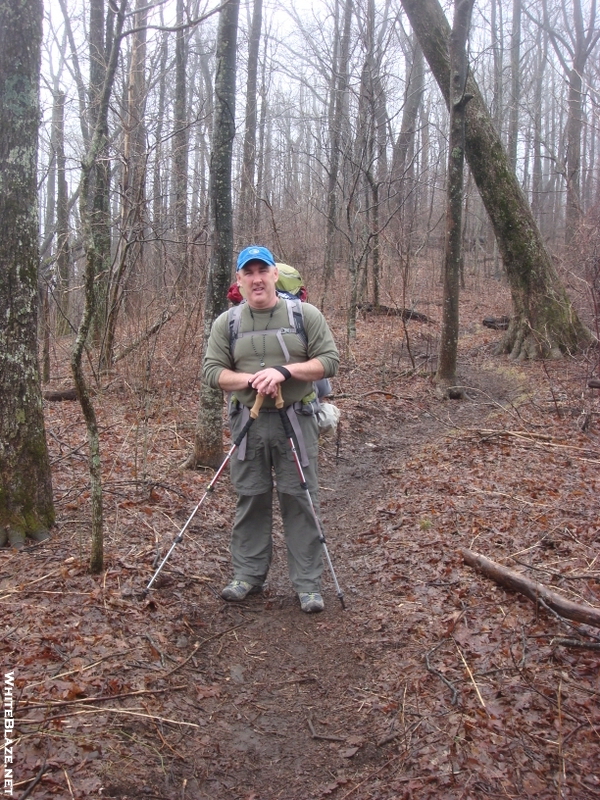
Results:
289 283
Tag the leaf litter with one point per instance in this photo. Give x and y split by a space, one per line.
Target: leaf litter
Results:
435 682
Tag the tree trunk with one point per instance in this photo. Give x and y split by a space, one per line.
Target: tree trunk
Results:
338 106
402 180
130 251
575 45
180 147
26 507
515 80
93 255
99 185
446 372
544 322
208 446
63 255
247 219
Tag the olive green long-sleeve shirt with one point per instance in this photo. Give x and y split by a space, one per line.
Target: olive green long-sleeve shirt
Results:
258 346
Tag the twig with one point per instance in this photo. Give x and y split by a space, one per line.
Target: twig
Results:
163 740
183 663
69 784
576 643
128 712
34 782
324 737
80 669
84 700
460 653
439 675
199 644
395 734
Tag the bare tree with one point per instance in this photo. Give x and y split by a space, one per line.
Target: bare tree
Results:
515 78
208 445
89 173
446 372
133 213
544 322
247 203
63 249
573 46
337 119
26 506
100 34
180 148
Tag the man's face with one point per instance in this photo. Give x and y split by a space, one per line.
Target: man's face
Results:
257 284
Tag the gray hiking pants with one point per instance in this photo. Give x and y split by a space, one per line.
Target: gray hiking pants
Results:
268 454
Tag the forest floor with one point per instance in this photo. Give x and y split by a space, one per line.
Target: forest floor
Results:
433 682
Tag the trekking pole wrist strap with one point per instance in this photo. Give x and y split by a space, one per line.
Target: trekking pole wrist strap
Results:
285 372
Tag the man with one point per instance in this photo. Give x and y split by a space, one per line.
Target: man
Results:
266 355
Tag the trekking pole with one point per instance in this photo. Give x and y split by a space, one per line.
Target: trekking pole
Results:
240 438
287 426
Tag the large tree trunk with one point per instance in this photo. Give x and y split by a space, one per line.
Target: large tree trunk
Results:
26 507
544 322
208 447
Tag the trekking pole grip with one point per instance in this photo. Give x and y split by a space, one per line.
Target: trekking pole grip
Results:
254 411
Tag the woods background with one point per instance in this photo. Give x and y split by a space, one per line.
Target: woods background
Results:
339 158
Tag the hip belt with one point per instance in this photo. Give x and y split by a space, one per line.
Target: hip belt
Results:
291 412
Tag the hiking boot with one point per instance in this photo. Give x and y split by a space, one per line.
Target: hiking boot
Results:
310 602
239 590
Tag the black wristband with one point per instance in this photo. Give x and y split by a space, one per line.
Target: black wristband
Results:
285 372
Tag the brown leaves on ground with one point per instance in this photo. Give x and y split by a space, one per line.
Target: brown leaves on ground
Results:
433 683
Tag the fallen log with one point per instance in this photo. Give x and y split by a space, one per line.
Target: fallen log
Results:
386 311
496 323
534 591
60 395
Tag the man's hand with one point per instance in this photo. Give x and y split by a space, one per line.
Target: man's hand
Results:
266 381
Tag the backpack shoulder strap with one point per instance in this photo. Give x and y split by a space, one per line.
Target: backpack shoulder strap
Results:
296 317
234 318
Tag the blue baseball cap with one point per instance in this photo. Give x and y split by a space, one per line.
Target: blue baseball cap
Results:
254 253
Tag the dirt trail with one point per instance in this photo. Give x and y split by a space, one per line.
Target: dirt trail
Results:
432 683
